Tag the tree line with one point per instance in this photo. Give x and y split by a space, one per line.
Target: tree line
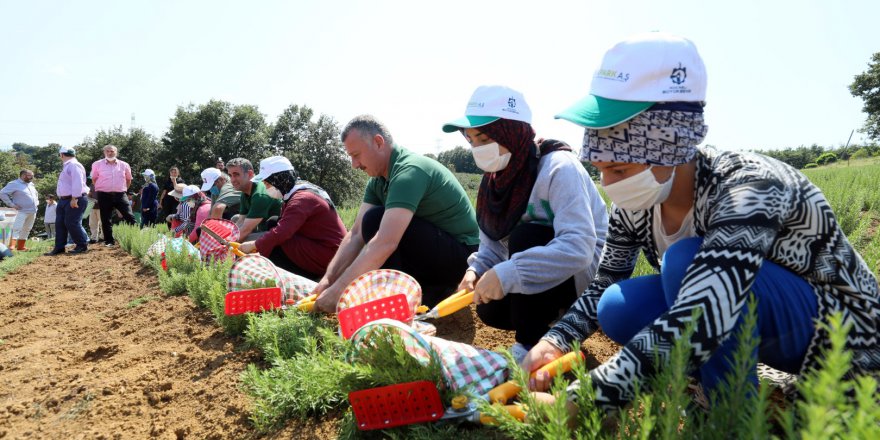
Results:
201 134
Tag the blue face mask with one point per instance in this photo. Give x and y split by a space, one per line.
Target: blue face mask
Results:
215 190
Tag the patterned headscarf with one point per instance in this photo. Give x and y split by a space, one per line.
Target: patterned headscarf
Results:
504 195
655 137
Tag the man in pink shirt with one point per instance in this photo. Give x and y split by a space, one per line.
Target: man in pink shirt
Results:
72 203
112 177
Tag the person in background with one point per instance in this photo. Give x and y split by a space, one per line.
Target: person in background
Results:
256 207
72 191
199 204
181 220
224 198
21 194
220 164
149 201
415 217
112 177
169 204
718 227
49 216
542 221
309 230
93 213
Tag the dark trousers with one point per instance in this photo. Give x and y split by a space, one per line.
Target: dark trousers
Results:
430 255
107 203
148 218
68 220
279 258
529 316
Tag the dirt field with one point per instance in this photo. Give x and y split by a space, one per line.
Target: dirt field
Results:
90 348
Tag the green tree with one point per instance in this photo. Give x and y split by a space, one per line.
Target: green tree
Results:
459 160
316 151
866 85
200 134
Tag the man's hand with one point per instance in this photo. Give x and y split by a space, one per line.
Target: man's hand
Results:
541 354
248 247
169 217
74 203
328 299
468 281
488 288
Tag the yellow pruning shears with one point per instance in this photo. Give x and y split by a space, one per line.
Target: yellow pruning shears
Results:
307 304
448 306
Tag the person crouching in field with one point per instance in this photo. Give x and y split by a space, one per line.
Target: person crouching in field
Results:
719 227
199 206
542 221
415 217
309 231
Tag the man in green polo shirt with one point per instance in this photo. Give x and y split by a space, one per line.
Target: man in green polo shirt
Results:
256 205
415 217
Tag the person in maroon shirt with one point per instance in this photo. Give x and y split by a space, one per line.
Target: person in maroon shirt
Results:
309 230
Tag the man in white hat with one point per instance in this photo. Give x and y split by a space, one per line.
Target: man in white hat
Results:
21 194
309 230
71 190
224 198
415 217
726 226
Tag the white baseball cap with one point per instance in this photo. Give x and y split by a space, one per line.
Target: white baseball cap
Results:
272 165
67 150
148 172
643 70
489 104
209 176
188 191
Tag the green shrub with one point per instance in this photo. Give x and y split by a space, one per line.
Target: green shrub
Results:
283 335
810 165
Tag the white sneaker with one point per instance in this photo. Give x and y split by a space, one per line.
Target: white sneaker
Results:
519 352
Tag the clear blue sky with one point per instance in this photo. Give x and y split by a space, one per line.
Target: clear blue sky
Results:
778 70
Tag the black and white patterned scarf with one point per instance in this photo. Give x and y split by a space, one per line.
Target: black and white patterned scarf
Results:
654 137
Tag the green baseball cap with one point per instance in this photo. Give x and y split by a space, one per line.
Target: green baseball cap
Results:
598 112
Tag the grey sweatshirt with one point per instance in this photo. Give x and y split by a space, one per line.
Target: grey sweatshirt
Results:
565 198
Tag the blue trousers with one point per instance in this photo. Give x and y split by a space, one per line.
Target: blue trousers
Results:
786 304
68 220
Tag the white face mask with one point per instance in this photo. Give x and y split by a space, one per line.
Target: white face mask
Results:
489 158
640 191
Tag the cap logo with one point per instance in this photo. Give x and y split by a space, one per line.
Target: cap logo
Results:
474 104
613 75
679 74
511 102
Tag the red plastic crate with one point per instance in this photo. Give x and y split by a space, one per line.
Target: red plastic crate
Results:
252 300
392 307
396 405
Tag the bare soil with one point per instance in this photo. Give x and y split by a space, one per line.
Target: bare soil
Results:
90 348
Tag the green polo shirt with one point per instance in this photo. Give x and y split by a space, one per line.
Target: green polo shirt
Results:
258 204
429 190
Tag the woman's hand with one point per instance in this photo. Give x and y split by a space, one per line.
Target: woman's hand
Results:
248 247
468 281
541 354
488 288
